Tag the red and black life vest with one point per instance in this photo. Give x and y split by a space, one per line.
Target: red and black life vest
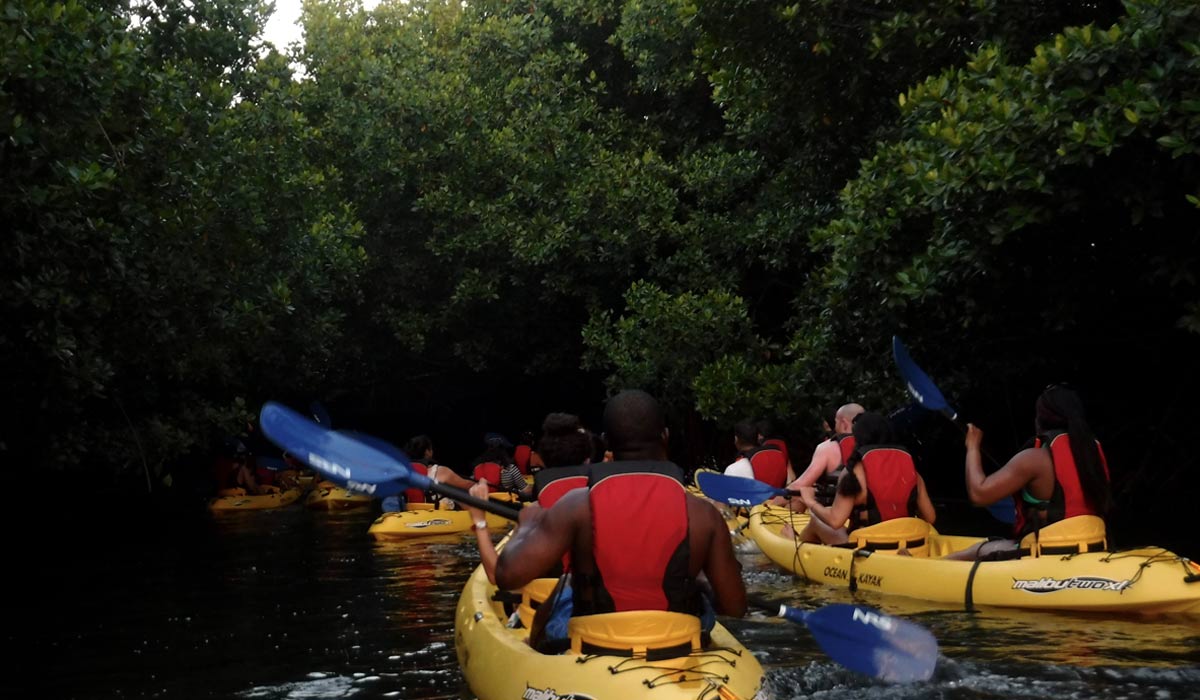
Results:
639 541
521 455
551 484
770 466
891 486
1068 498
416 495
491 472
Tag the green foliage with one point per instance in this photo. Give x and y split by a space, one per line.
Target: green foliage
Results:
171 247
665 340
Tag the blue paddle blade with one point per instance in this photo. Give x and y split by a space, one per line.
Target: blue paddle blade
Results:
1004 510
920 386
736 491
868 641
344 460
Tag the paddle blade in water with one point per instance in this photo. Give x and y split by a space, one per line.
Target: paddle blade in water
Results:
870 642
920 386
344 460
736 491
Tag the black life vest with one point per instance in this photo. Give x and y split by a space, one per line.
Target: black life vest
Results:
891 486
640 541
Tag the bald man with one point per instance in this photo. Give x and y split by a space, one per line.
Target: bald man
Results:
829 456
638 540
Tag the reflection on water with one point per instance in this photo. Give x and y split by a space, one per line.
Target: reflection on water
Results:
304 604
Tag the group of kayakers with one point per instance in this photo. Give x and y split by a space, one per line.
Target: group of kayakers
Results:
860 476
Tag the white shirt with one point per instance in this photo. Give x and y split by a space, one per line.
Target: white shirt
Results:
740 468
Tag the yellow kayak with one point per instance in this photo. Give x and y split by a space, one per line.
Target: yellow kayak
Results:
1144 580
238 499
499 665
329 496
423 520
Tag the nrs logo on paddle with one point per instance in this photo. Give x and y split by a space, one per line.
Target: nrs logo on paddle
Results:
532 693
1084 583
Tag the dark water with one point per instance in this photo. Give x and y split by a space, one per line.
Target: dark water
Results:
303 604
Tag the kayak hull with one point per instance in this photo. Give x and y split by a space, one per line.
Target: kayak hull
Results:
499 665
254 502
326 496
424 523
1148 580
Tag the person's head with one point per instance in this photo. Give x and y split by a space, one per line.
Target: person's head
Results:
419 447
767 430
873 429
1059 409
843 421
745 436
565 442
634 426
496 448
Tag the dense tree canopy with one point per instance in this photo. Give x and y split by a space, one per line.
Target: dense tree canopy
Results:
734 204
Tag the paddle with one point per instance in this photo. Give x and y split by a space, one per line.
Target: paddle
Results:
355 465
922 388
738 491
866 640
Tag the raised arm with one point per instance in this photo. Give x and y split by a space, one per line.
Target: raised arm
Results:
542 537
984 490
483 536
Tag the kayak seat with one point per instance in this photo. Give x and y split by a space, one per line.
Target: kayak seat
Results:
420 506
1083 533
532 596
890 536
653 634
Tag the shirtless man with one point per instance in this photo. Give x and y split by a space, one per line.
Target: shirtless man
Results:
828 456
637 541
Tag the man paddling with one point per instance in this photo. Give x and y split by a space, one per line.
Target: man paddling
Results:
637 539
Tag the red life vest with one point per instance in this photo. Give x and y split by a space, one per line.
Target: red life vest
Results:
770 466
521 457
847 444
416 495
640 541
1068 498
549 485
489 471
780 445
891 486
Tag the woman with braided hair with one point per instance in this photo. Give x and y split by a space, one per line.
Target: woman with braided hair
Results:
1063 475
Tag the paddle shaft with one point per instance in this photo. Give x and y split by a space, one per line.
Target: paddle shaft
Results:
486 504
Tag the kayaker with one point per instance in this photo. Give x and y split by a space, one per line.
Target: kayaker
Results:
567 449
419 449
829 456
769 436
880 484
756 461
1064 473
637 539
496 466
